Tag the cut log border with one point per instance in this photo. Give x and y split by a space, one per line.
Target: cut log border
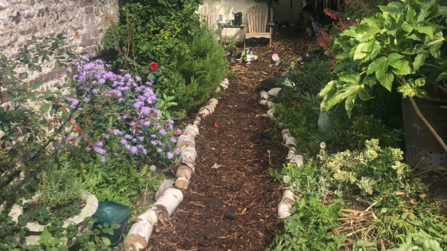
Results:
288 197
168 198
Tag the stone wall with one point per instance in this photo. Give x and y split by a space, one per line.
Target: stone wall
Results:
81 21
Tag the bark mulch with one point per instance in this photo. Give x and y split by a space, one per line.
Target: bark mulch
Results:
233 207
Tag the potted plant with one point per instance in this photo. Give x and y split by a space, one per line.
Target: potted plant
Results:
59 198
401 48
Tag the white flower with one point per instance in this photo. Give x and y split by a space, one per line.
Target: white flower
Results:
322 145
286 179
152 168
349 18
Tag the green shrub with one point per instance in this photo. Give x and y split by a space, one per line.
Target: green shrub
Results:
58 185
307 228
200 71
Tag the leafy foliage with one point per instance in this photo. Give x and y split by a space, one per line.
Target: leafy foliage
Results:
307 228
392 45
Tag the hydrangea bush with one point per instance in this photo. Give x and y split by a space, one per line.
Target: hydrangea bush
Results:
118 109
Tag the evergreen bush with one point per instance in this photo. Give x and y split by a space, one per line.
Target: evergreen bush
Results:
200 71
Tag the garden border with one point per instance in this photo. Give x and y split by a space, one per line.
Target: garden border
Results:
288 197
170 197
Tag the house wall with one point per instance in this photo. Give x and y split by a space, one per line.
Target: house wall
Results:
226 7
81 21
284 13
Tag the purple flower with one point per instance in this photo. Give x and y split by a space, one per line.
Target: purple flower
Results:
159 150
178 131
163 132
147 123
127 136
100 151
134 140
105 135
134 150
132 124
137 78
141 139
153 136
170 155
123 141
99 143
177 151
121 70
140 147
173 140
88 149
116 132
144 151
103 159
157 126
101 81
137 105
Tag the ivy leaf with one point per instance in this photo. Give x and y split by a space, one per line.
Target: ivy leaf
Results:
387 80
44 108
45 236
106 241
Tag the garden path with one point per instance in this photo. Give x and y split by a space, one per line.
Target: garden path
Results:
241 185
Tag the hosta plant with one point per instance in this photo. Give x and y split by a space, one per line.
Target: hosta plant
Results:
404 45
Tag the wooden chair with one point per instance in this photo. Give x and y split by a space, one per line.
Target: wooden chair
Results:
257 24
210 15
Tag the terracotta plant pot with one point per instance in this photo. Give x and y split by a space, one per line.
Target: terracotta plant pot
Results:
35 229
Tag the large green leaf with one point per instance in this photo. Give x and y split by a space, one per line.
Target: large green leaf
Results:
411 17
324 92
426 30
387 80
442 76
394 8
349 90
401 67
358 52
368 29
379 66
364 95
419 60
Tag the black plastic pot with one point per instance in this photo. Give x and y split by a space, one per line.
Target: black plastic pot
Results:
271 83
419 141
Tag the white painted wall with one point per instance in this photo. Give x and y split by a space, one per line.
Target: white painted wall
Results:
226 7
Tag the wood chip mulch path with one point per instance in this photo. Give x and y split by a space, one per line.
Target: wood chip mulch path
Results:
241 186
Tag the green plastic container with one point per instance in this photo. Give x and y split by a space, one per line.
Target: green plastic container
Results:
112 212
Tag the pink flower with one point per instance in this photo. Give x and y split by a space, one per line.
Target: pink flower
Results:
275 57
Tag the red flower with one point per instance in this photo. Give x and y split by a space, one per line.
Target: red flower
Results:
58 103
123 51
90 143
72 120
63 110
215 125
172 135
153 66
77 128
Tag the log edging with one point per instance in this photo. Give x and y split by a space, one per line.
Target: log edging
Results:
167 197
288 197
